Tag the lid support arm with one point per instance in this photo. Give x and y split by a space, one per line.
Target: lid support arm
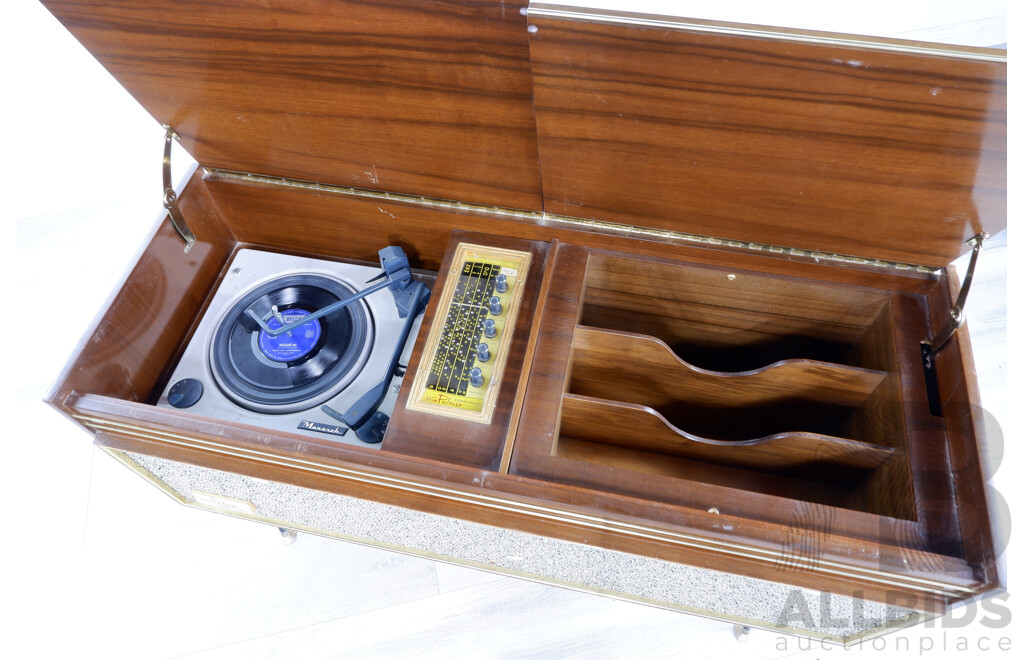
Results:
956 313
956 319
170 199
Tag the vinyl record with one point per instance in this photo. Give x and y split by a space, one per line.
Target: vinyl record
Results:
295 370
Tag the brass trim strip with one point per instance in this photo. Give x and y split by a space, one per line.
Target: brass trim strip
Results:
134 466
543 218
558 12
667 235
213 174
557 515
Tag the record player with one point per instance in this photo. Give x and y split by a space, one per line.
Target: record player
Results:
338 370
726 334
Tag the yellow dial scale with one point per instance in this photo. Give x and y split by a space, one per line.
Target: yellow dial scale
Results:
469 340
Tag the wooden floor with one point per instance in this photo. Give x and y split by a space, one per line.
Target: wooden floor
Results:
101 564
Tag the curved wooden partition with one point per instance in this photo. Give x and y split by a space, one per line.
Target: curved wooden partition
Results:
640 427
636 365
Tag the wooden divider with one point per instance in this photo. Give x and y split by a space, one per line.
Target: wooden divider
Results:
629 366
640 427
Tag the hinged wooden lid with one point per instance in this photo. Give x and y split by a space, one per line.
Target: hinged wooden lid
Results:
874 150
420 97
871 148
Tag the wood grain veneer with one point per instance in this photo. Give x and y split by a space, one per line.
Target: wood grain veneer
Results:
882 417
902 492
972 432
637 394
414 96
726 320
627 366
132 340
840 149
350 225
640 427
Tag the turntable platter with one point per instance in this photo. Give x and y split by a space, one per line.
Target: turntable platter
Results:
299 369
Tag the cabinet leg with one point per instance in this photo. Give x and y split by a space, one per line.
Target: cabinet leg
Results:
741 633
288 536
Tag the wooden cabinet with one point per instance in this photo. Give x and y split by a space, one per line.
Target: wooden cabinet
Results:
739 243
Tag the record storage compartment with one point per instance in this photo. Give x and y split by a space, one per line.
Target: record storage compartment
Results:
717 376
803 401
807 408
751 411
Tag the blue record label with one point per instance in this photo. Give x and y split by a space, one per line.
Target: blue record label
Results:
290 346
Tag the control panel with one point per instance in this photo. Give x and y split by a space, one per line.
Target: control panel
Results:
469 339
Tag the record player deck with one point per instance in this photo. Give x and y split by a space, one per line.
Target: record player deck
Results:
300 344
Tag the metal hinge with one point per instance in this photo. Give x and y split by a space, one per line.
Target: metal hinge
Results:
956 319
170 199
544 218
